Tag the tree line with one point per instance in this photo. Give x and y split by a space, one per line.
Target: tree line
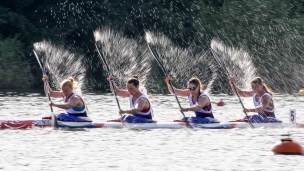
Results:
270 31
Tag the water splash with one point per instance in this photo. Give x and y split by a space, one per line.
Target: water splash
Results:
283 64
182 63
238 63
61 64
125 57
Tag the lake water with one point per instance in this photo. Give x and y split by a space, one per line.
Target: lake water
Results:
159 149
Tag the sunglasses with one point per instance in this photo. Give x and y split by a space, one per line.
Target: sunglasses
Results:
192 88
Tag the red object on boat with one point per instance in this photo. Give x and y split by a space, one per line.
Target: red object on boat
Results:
178 120
114 120
220 103
24 124
240 120
287 146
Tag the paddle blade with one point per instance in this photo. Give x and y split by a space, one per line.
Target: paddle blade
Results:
149 38
97 35
188 125
38 59
54 122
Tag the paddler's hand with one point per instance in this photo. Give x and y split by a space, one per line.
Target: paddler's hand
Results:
184 109
45 78
121 112
167 80
231 80
246 110
51 103
110 77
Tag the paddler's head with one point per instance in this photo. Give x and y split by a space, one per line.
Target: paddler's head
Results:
258 86
133 85
67 86
195 86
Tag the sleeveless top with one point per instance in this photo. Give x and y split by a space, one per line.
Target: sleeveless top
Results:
267 111
76 111
205 111
145 113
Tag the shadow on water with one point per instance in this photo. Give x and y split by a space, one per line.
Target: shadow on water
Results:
27 92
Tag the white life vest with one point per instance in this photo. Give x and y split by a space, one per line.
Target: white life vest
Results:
203 109
75 110
259 101
144 111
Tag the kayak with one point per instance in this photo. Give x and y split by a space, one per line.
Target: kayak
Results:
176 124
46 123
224 125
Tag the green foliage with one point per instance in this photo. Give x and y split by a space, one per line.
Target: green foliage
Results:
14 70
270 31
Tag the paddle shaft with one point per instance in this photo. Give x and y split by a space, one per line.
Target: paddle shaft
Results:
48 93
116 98
109 73
237 94
222 64
44 73
166 74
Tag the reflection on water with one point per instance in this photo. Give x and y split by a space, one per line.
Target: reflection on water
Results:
162 149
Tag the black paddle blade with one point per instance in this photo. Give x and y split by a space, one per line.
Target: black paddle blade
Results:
54 122
188 125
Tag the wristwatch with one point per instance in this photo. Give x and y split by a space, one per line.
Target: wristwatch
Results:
187 109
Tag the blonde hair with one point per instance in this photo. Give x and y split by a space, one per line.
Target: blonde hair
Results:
69 82
259 80
194 80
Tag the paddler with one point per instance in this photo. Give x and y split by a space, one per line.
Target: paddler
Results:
262 100
140 107
73 102
199 101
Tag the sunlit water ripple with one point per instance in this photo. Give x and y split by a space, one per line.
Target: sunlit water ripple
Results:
160 149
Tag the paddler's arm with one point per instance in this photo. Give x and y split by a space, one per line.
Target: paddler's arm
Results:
242 93
179 92
119 92
202 101
142 103
55 94
72 103
266 103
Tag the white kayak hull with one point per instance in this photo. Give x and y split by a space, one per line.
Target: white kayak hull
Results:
179 125
44 123
25 124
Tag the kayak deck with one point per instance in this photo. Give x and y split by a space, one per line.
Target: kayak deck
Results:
46 123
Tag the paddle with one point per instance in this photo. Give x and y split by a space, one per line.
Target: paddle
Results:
54 123
166 74
109 73
222 64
